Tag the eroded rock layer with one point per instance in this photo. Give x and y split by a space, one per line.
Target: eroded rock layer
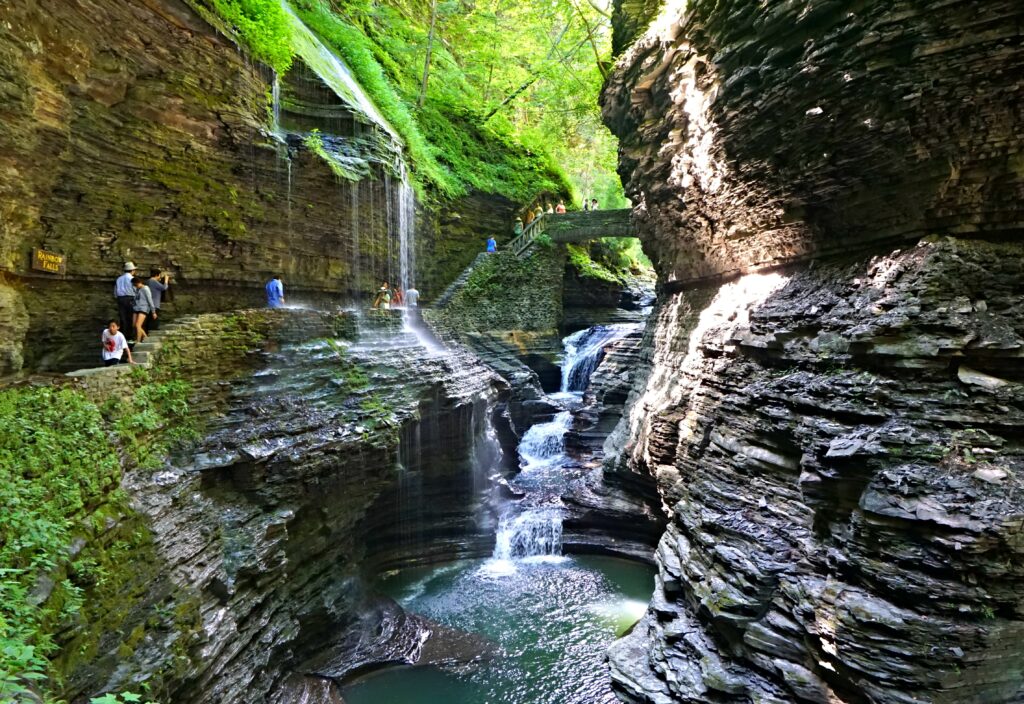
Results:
754 134
135 131
836 437
324 460
840 451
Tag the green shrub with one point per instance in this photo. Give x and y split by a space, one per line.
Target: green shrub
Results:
587 268
154 421
55 462
264 27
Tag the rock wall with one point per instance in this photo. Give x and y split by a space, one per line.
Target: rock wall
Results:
756 134
253 584
135 131
833 436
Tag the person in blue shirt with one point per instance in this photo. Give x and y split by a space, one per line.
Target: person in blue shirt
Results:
492 245
275 292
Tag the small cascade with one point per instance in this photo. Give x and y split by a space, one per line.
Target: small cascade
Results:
333 72
357 269
584 351
533 533
544 443
406 230
532 536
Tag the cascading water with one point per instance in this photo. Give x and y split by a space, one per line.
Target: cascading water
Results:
536 533
544 443
584 351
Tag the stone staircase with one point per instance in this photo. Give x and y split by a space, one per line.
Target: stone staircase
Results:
142 352
456 285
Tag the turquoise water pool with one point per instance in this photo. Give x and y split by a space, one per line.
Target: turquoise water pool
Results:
551 620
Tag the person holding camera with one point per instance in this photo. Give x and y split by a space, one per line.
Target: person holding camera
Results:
158 283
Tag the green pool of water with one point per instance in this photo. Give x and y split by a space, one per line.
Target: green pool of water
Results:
551 619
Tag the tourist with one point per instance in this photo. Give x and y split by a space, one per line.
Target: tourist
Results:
593 203
560 208
115 347
125 295
529 217
157 284
538 213
517 229
397 297
586 205
143 308
275 292
412 298
383 299
492 244
550 210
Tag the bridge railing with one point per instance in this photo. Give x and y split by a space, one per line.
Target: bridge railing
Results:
531 232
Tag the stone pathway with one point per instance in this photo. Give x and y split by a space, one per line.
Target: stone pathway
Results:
143 352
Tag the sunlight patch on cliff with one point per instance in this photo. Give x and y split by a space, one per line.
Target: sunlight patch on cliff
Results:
673 381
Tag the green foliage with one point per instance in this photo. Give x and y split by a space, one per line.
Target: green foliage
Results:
465 136
357 51
263 25
587 268
154 421
123 698
544 240
55 462
620 254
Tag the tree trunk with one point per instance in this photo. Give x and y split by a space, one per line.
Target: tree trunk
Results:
426 61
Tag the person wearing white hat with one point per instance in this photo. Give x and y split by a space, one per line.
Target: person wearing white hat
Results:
124 292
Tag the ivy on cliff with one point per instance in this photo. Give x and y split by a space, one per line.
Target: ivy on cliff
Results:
60 473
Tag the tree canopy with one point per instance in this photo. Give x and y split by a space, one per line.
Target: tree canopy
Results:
494 95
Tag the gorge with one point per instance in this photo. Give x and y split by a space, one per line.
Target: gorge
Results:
786 470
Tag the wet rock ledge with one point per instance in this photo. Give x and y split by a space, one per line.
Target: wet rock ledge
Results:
331 450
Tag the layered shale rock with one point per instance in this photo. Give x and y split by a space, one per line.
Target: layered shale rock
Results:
840 452
136 131
837 441
757 134
325 460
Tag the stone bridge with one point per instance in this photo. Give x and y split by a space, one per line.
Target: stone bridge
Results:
576 227
586 226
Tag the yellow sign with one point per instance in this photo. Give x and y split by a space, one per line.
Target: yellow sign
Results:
50 262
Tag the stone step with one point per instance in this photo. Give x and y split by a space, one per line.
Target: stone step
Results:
148 346
141 357
96 371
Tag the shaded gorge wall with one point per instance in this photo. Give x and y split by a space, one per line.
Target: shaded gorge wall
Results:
136 131
829 396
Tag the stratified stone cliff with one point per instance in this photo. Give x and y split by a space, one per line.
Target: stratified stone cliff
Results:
324 461
755 134
133 130
837 436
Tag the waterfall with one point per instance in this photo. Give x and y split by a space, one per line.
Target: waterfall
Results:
544 443
584 351
334 72
357 272
406 231
533 533
532 536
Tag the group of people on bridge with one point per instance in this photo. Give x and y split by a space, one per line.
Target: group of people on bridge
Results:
538 211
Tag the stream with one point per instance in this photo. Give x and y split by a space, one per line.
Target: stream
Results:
549 617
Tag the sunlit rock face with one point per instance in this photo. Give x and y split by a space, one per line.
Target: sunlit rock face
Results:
833 423
837 451
754 134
